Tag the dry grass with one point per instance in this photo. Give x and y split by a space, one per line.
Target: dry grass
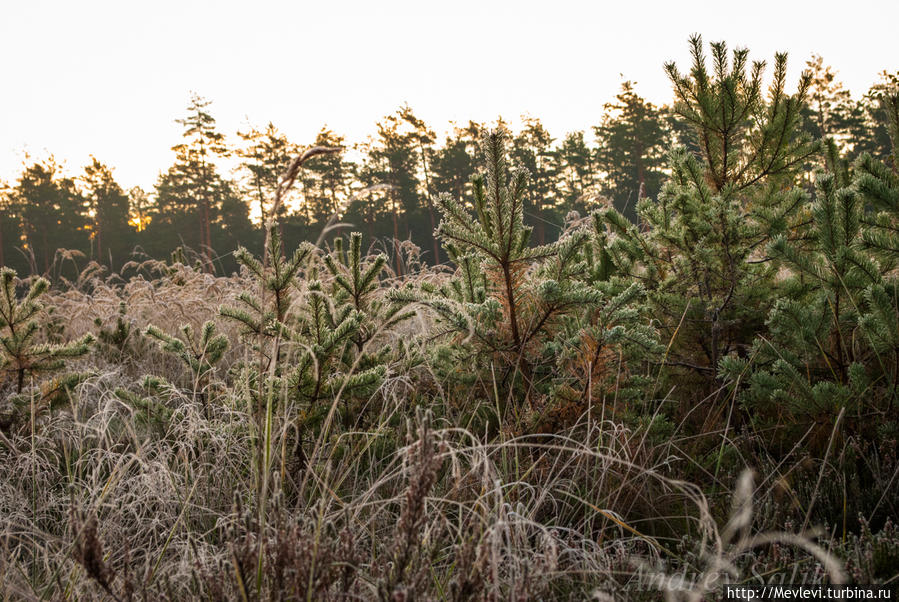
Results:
103 501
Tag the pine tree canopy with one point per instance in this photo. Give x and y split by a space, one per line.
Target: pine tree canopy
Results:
21 352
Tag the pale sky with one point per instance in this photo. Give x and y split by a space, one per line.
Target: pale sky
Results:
108 78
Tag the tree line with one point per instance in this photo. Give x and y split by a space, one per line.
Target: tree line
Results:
50 220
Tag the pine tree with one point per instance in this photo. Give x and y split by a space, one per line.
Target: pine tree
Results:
452 165
832 343
878 184
266 155
499 234
356 282
53 213
631 144
10 230
264 317
338 320
325 182
700 247
830 112
20 354
392 160
232 227
577 173
808 345
328 367
532 150
140 205
109 205
888 98
189 195
603 343
869 132
116 342
198 351
424 137
519 312
313 340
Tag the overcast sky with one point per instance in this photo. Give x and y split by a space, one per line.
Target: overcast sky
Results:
109 78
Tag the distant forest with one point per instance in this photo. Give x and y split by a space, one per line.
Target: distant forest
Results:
388 193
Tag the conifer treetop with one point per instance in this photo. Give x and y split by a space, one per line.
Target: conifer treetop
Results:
499 230
743 137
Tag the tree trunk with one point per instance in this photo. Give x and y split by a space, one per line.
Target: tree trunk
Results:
396 238
46 246
99 243
204 230
424 162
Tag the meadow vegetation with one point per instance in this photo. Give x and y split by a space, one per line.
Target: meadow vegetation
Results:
634 409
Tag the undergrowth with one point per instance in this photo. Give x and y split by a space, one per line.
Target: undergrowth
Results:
627 412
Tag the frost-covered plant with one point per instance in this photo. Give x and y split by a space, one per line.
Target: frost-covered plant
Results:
20 354
199 352
23 355
542 326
